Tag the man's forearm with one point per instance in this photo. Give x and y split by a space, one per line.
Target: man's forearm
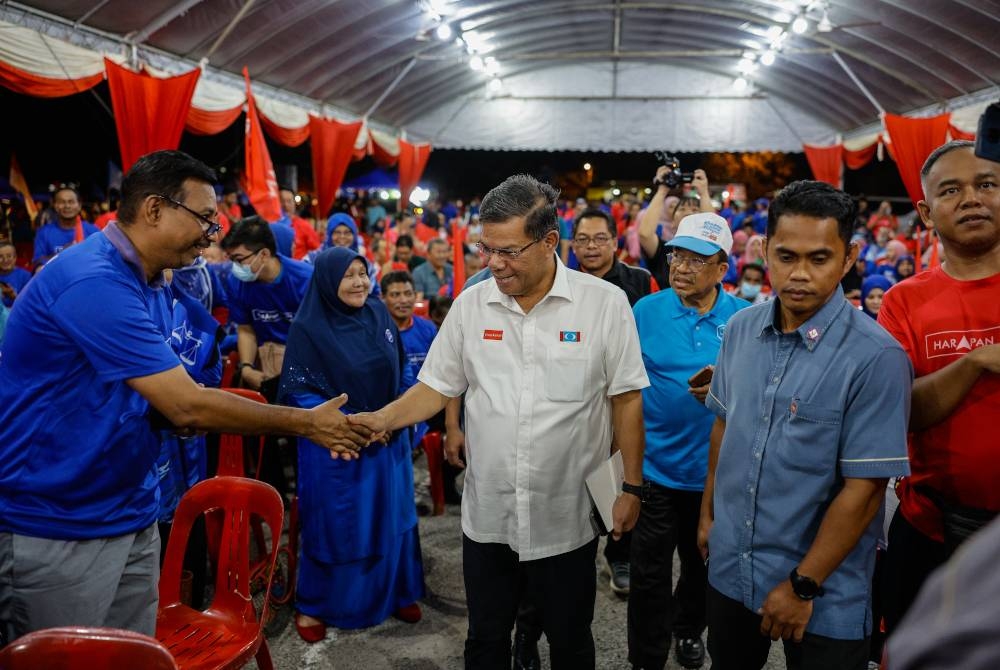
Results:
843 524
648 239
419 403
453 413
714 445
629 433
937 395
246 344
223 412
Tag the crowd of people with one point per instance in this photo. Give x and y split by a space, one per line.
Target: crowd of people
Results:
771 374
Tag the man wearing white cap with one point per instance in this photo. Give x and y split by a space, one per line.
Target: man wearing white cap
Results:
680 332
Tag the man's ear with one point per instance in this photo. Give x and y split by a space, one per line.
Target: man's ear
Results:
152 210
924 210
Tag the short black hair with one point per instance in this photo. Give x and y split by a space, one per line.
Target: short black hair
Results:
159 173
395 277
596 213
945 148
253 232
404 241
522 195
753 266
438 303
433 242
816 199
687 199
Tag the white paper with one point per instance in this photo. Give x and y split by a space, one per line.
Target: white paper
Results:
605 485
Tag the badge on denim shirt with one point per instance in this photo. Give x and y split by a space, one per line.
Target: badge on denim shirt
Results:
813 334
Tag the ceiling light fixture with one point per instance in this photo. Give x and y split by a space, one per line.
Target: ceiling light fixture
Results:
767 58
443 32
476 63
824 25
494 86
492 66
740 84
800 25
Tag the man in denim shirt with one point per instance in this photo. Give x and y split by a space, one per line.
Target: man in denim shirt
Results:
812 403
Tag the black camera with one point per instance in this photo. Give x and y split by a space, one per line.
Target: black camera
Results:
988 134
674 177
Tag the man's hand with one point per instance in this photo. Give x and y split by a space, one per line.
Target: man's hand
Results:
661 174
705 522
454 440
700 392
7 291
252 378
624 514
987 358
333 431
785 614
374 422
699 182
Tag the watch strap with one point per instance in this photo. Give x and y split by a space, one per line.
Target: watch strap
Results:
639 491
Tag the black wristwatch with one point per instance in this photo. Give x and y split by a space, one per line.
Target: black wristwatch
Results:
245 365
805 588
639 491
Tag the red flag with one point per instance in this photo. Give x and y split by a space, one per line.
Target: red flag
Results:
332 149
412 161
20 184
259 180
458 262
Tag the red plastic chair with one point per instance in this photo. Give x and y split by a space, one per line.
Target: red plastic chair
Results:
231 446
73 648
433 446
229 364
228 633
420 308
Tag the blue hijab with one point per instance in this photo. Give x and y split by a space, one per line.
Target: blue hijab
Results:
870 283
334 348
341 219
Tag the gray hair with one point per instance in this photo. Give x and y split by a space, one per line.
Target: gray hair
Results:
518 196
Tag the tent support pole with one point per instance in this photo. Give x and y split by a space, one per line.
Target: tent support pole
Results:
858 83
393 85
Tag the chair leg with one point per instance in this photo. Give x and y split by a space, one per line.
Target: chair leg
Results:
434 449
263 657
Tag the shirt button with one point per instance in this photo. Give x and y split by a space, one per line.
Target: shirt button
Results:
697 344
766 418
776 380
751 489
697 327
748 523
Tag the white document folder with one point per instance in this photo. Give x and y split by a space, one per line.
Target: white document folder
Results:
604 486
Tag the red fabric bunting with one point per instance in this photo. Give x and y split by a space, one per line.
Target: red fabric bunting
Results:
412 161
913 140
26 83
382 157
259 180
826 163
202 122
289 137
332 149
149 111
458 258
859 158
957 134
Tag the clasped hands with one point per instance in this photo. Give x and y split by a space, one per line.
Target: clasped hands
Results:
345 435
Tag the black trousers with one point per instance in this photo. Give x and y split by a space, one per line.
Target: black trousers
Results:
668 520
736 643
564 589
909 560
618 551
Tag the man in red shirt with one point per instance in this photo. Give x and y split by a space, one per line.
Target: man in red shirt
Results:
306 237
948 322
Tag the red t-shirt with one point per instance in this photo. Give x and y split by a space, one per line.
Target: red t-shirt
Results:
939 319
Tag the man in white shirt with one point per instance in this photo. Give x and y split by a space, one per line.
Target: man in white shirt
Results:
550 365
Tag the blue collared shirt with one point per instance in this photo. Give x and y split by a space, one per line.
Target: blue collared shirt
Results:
676 342
803 410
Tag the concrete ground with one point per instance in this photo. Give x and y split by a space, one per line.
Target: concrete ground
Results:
436 642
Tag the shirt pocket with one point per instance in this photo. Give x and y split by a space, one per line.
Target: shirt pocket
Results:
566 376
812 437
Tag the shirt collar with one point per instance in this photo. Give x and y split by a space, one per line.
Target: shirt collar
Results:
680 309
560 289
128 252
813 330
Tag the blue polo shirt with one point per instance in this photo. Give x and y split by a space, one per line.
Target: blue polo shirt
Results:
51 239
803 410
676 342
17 279
270 306
284 236
417 342
77 453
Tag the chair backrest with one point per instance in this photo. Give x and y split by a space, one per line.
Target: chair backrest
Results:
231 446
236 500
85 648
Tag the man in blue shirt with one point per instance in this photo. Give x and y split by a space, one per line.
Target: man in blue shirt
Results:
68 228
11 275
85 363
680 332
435 273
264 293
811 402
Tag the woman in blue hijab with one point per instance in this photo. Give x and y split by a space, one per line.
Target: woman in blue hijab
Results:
872 289
342 231
360 548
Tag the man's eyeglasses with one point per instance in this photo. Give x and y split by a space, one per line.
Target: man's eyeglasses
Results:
694 263
506 254
208 226
584 241
242 260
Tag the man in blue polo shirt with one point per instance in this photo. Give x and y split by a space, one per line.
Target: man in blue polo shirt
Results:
811 402
84 365
680 332
68 229
11 275
265 293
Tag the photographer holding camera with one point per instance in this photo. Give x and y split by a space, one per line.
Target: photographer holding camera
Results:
668 178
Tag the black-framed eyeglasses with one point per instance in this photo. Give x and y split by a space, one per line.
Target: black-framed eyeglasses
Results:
696 264
600 240
506 254
242 260
208 226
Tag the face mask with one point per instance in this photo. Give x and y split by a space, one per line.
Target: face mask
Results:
475 229
244 273
748 290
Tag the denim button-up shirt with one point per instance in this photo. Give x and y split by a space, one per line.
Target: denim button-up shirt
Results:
803 411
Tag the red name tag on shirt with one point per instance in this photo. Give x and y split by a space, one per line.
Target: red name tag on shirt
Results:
492 334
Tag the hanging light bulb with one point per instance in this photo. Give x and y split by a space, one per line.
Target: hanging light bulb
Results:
800 25
495 86
767 58
773 33
492 66
740 84
746 66
476 63
824 25
443 32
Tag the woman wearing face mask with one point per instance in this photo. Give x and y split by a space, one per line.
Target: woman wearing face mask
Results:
360 549
872 290
751 285
905 267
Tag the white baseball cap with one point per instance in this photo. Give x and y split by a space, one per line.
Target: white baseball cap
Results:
704 233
